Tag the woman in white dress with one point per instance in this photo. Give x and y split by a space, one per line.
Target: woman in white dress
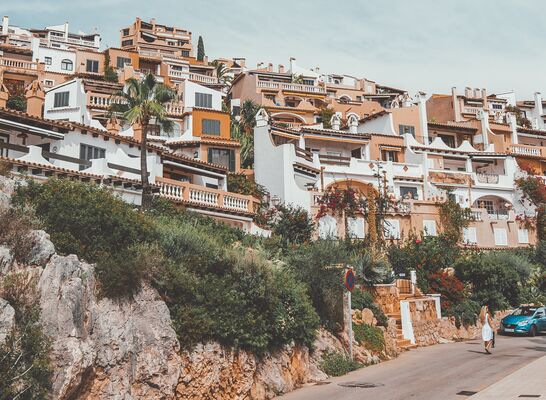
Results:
487 330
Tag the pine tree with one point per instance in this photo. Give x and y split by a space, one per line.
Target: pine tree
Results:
200 49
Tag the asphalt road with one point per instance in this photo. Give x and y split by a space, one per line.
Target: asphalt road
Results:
432 373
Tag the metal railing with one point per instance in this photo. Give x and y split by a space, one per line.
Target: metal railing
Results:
487 178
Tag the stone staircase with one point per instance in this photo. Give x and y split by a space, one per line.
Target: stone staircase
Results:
405 293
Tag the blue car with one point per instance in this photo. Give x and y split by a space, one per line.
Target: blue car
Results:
528 320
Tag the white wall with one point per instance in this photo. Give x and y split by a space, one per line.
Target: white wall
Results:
189 90
77 105
57 55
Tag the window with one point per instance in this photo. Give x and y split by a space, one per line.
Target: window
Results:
429 227
90 153
48 82
408 192
126 32
203 100
358 98
236 110
403 129
122 62
391 228
355 227
390 155
523 236
211 127
309 82
185 53
470 236
488 205
127 42
449 140
356 153
48 60
327 227
66 65
61 99
497 106
3 151
92 66
501 239
222 157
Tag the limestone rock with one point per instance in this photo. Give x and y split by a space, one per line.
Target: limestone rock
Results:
105 349
367 317
7 319
42 248
6 260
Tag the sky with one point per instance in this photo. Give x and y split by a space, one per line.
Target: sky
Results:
416 45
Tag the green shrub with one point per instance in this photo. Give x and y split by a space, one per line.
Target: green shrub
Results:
337 364
466 312
496 278
16 231
85 219
293 224
25 370
361 299
370 336
317 264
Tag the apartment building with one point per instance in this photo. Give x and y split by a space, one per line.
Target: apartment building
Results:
415 171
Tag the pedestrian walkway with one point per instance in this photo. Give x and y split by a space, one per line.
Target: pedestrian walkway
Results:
528 382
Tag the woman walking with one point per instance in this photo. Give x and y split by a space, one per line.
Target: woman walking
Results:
487 330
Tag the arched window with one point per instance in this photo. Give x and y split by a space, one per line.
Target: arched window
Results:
66 65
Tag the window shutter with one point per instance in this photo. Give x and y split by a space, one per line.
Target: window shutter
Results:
210 155
470 236
429 227
327 227
232 160
523 236
501 238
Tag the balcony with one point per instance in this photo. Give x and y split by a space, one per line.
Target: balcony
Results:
18 64
293 87
194 194
526 150
204 79
487 178
472 110
177 74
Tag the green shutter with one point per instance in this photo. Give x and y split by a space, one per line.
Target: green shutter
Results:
232 160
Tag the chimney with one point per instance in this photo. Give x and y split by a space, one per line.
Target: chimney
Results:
259 65
152 21
539 110
467 92
483 116
317 69
335 121
269 67
456 105
353 123
292 64
423 120
281 69
240 61
477 93
5 25
35 96
484 97
66 30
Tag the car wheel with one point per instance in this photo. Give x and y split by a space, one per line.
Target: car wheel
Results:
533 331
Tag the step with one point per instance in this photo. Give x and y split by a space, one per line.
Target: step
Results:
403 342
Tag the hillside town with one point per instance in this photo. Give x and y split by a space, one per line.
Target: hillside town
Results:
194 160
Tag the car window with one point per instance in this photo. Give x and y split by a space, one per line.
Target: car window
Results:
525 311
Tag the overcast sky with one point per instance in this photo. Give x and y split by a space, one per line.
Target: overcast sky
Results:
428 45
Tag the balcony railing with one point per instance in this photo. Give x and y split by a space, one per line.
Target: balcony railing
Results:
189 193
20 64
207 80
525 150
307 155
471 110
295 87
488 178
336 160
174 73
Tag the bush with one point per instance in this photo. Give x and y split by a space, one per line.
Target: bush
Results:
466 312
25 371
370 336
361 299
85 219
372 267
337 364
496 278
293 224
318 265
16 231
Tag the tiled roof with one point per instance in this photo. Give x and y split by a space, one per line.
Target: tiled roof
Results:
537 132
452 126
195 143
32 118
374 116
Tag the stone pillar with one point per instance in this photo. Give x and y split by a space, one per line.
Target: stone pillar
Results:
513 126
468 165
539 111
423 120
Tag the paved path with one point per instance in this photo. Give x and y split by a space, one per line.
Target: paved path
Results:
435 373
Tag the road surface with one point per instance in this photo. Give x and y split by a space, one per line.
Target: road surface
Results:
439 372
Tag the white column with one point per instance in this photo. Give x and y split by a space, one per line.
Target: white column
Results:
483 116
539 111
423 120
468 164
514 127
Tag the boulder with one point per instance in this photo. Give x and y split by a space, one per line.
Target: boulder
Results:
42 248
6 260
367 317
101 348
7 319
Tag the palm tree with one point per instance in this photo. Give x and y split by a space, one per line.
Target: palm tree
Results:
297 79
140 102
222 72
248 112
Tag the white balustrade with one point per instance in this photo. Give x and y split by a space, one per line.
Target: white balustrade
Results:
488 178
203 78
235 203
173 192
8 62
204 197
291 86
525 150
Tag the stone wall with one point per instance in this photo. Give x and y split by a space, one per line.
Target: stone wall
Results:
386 297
